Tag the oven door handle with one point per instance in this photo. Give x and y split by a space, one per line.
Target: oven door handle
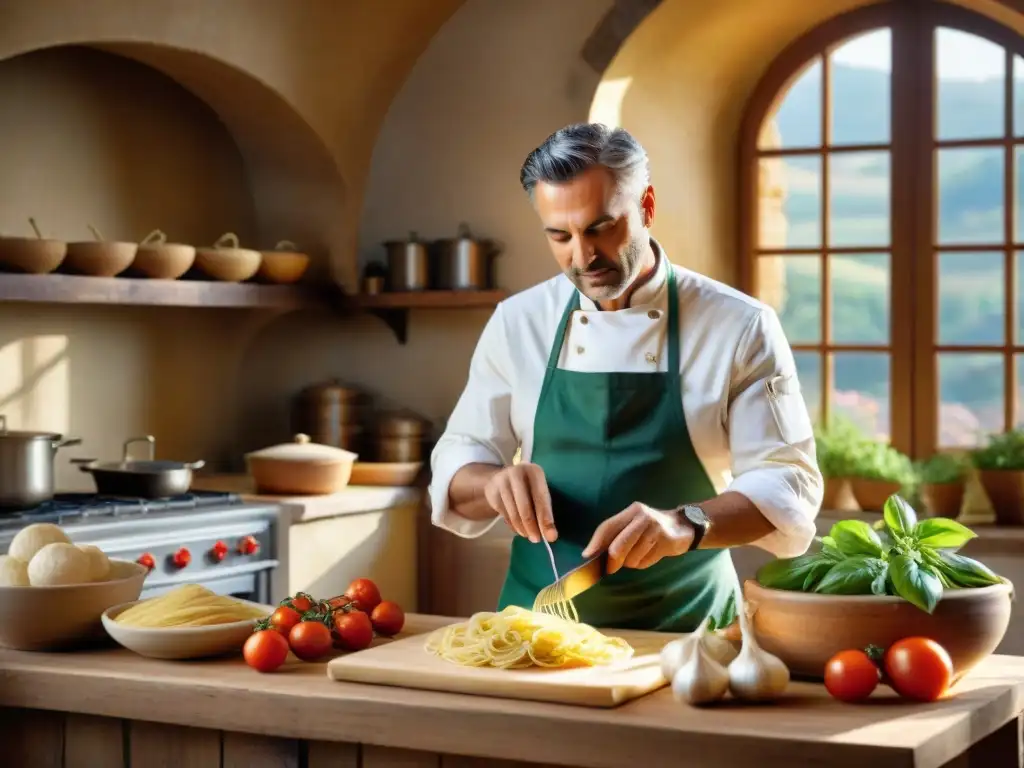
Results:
184 577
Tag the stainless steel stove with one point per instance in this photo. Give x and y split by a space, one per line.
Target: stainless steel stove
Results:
215 539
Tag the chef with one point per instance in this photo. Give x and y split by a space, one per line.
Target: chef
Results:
658 412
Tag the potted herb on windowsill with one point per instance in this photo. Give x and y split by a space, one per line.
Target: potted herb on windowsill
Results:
943 480
1000 466
835 446
878 472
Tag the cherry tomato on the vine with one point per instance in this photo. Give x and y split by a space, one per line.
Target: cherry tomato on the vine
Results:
851 675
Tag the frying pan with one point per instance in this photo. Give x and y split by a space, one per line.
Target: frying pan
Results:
149 479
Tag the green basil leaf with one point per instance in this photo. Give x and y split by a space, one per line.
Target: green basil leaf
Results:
789 573
899 516
853 576
942 533
817 572
880 583
965 571
915 583
830 550
855 537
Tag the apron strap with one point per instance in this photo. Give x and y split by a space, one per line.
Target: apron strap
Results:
673 324
673 328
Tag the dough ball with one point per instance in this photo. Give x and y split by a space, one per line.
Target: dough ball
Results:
13 572
99 565
58 565
32 538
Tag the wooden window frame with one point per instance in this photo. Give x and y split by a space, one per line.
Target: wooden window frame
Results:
913 247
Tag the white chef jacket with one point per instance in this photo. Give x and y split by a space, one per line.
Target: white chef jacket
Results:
741 397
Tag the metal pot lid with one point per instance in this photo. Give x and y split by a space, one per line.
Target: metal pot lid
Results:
25 434
333 389
303 450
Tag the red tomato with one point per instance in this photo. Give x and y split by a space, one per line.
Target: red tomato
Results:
918 668
364 592
301 602
388 618
851 676
310 640
265 650
284 618
353 630
340 601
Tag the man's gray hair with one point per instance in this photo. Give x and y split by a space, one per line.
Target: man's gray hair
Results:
570 151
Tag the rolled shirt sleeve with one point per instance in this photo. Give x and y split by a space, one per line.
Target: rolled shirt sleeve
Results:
479 430
771 438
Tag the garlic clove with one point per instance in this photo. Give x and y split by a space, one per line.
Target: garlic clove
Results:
679 651
720 648
756 675
701 680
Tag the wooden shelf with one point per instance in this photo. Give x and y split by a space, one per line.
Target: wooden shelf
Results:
75 289
392 308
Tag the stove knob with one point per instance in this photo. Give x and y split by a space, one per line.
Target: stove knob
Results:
146 561
219 551
249 545
181 558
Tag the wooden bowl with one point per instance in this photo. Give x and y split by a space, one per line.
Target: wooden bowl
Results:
36 256
53 618
283 265
180 642
159 260
805 630
226 262
100 258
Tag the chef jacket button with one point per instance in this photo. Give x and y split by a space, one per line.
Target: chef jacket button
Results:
583 320
580 350
651 357
654 314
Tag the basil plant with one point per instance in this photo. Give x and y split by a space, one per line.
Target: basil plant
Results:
900 556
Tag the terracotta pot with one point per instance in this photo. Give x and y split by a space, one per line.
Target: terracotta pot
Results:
1005 490
871 495
943 499
805 629
300 468
833 487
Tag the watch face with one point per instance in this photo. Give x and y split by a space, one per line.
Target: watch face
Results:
695 515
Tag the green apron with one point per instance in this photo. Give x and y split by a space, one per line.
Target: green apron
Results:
604 441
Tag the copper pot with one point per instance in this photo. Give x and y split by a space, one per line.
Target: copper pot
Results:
400 449
401 425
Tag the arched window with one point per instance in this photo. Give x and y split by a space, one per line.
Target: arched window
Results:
882 158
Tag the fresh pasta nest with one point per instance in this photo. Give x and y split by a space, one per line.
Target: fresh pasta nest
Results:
517 638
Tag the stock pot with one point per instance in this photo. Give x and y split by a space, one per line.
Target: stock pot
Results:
26 466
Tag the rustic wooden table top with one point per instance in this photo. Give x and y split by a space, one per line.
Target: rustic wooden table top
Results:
299 701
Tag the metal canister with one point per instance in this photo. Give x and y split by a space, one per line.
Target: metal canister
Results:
408 264
332 414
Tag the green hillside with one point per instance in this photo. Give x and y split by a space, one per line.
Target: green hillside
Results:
970 211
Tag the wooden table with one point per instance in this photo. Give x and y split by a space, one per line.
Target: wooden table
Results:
112 708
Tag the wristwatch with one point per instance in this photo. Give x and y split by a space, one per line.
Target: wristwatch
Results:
692 515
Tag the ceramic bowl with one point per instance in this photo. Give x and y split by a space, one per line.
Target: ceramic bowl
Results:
180 642
805 630
54 618
99 258
31 255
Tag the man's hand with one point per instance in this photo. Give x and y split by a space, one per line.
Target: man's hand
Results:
638 537
520 495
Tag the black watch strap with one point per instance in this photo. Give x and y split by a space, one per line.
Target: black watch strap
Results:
693 516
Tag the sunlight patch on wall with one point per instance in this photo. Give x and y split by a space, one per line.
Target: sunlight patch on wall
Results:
607 104
35 389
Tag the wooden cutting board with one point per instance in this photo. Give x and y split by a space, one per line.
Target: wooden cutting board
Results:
405 663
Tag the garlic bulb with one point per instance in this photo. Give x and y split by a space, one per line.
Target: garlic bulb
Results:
679 651
755 674
701 680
